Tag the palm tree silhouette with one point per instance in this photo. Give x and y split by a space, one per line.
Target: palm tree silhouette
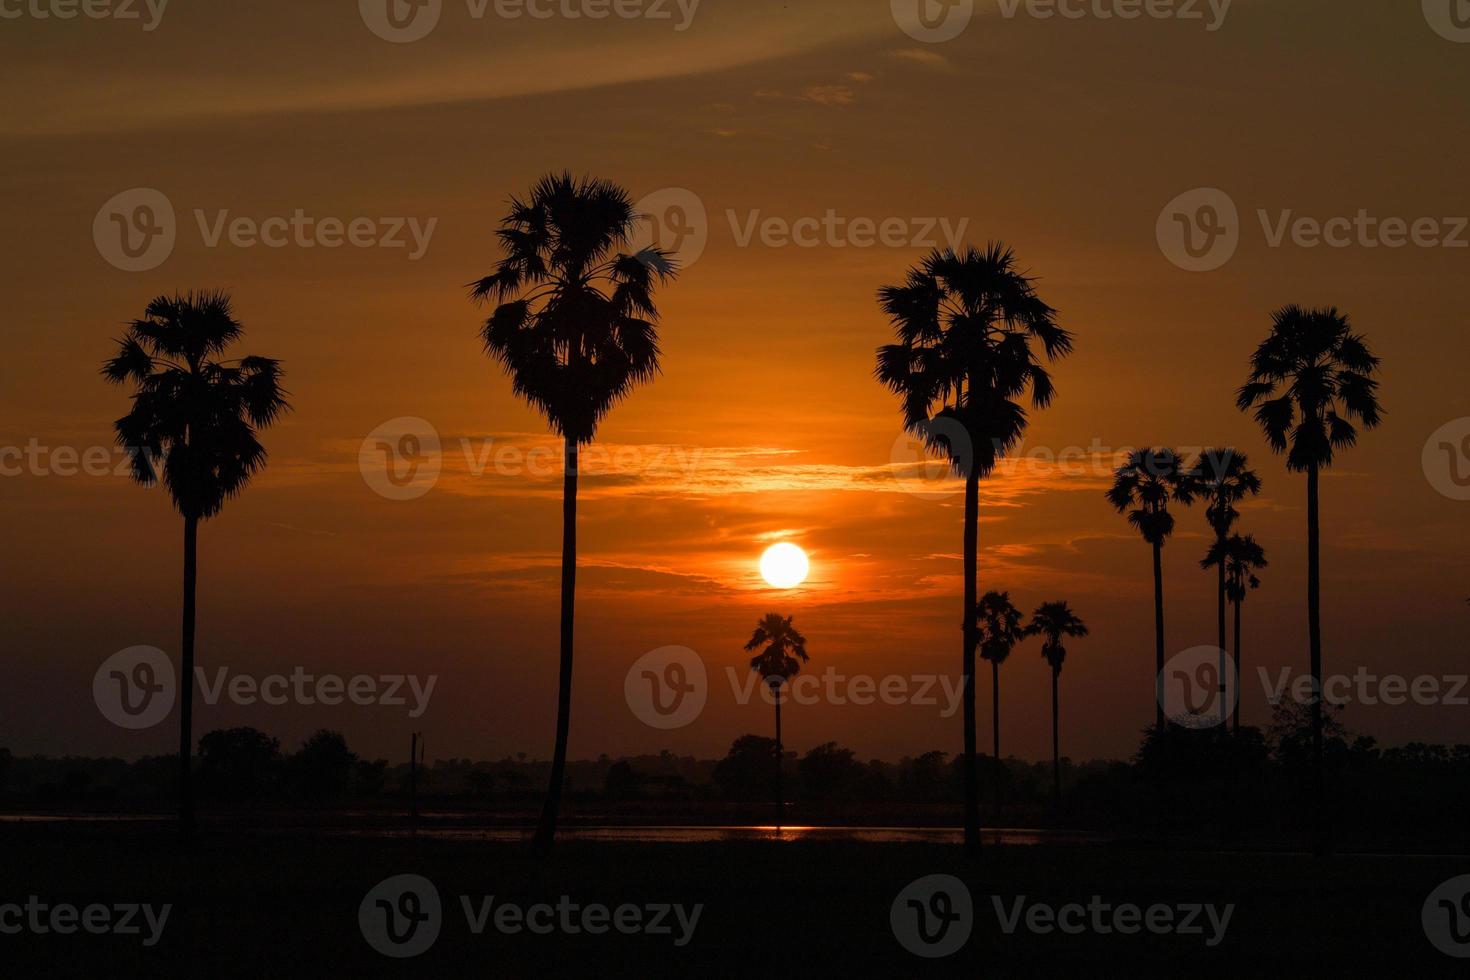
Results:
197 416
998 623
966 323
575 330
1310 379
1055 620
781 660
1147 482
1239 557
1222 477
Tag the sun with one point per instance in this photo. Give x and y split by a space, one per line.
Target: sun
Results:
784 565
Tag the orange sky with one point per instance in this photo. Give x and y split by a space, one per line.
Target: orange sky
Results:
1063 137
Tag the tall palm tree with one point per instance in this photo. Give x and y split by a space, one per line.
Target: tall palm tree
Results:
1240 557
1055 620
1311 379
193 426
1223 478
1147 482
999 626
968 324
575 328
781 659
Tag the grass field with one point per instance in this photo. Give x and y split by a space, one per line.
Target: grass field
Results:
287 904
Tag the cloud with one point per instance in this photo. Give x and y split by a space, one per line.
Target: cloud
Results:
921 56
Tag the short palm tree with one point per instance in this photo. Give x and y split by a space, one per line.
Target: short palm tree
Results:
1055 621
782 652
999 625
1223 477
1240 557
575 328
193 426
1143 488
972 339
1311 384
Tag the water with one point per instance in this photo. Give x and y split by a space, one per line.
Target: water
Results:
705 835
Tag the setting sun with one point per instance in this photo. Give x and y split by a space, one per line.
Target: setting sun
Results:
784 565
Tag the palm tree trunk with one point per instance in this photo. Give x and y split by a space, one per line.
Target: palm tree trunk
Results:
1159 636
546 830
1314 637
186 681
1238 674
972 783
995 723
1220 595
1056 756
780 783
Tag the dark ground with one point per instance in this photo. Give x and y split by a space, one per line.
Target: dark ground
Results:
285 903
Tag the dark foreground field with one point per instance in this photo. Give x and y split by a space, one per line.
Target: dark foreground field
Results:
287 904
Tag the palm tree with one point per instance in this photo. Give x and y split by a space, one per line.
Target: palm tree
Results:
966 323
1223 477
1240 558
781 660
999 625
1310 379
193 425
575 330
1147 482
1055 620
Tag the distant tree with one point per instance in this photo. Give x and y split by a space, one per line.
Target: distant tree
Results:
193 425
782 652
1223 478
1311 384
831 773
623 782
1238 558
998 626
239 763
1143 488
576 329
323 767
1055 621
927 778
747 772
973 341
